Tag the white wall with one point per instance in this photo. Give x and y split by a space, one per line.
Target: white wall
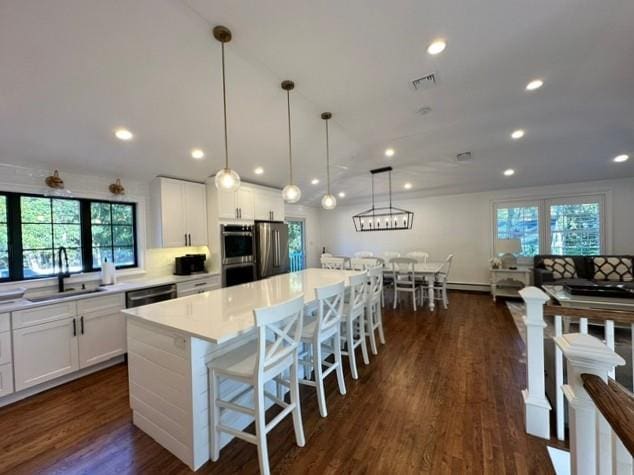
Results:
313 231
462 225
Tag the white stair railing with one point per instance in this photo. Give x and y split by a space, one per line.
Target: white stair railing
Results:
594 447
536 405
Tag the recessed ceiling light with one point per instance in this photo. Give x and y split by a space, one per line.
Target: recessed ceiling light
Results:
509 172
314 181
407 186
436 47
123 134
517 134
389 152
534 85
198 154
342 194
621 158
258 170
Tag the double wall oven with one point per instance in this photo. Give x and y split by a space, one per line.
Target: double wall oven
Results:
238 254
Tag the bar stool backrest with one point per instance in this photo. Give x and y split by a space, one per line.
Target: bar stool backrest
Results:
330 300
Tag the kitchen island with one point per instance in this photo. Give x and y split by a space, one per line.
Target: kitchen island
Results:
170 343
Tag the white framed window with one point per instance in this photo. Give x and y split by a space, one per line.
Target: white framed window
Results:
574 225
519 220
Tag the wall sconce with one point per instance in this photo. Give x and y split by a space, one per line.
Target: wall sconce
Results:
117 188
55 186
54 181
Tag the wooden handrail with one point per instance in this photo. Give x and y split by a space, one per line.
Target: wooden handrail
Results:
616 404
621 316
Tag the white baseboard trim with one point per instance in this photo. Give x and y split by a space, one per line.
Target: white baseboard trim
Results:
472 286
18 396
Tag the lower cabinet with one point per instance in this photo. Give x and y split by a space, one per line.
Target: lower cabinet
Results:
95 332
101 336
6 379
44 352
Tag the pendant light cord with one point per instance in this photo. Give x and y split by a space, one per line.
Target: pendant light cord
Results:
224 104
327 158
290 150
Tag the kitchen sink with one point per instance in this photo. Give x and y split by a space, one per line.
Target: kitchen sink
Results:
66 294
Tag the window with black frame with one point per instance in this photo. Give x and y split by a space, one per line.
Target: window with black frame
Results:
90 231
112 230
47 225
4 239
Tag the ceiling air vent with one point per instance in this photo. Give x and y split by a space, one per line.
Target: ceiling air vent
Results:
425 82
464 157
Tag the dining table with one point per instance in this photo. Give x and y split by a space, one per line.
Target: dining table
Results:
427 272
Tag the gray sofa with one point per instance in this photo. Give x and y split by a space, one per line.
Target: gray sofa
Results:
584 267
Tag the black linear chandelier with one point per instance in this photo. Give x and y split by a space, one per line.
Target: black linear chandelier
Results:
386 218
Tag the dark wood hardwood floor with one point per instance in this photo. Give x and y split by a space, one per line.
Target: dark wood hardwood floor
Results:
442 396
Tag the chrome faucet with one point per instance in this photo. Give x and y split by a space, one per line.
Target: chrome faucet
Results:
63 271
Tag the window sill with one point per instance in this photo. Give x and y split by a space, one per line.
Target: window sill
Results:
73 279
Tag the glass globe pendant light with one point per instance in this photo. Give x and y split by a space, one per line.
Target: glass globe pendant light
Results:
328 201
226 179
291 192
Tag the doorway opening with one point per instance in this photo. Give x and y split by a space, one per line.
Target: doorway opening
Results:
296 243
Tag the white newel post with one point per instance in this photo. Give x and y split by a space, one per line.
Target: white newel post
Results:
536 406
585 354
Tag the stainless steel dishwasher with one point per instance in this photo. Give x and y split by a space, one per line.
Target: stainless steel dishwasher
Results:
136 298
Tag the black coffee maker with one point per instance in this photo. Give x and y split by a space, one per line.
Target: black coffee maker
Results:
190 264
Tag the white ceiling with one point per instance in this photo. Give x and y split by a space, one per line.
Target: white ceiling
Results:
74 70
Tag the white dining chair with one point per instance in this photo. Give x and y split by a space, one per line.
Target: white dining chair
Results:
373 312
362 263
364 254
441 280
404 279
353 324
325 328
254 364
420 256
336 263
388 255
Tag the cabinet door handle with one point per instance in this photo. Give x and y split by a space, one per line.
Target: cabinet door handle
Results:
185 239
240 211
236 213
190 239
74 327
81 321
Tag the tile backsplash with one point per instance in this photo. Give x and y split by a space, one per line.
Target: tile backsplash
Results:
160 262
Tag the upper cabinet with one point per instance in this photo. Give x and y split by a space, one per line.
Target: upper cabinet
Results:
248 203
236 205
269 206
179 213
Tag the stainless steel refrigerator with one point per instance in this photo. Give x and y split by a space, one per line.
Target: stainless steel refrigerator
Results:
271 252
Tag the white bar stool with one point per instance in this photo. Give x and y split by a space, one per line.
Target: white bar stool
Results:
255 364
373 312
324 328
354 322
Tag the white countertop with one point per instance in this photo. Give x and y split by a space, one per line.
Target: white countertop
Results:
222 314
124 286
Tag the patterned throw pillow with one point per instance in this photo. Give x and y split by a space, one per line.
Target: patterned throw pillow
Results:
561 267
614 269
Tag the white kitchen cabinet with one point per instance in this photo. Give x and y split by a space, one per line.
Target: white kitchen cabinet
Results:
236 205
198 286
102 335
43 314
101 329
6 379
179 213
269 205
44 352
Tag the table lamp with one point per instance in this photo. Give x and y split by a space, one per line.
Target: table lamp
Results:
508 247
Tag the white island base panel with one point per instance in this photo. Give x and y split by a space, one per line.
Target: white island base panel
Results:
169 389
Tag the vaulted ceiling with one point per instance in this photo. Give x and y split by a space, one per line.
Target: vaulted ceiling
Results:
74 70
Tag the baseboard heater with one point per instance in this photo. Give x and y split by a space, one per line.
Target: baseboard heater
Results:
484 287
